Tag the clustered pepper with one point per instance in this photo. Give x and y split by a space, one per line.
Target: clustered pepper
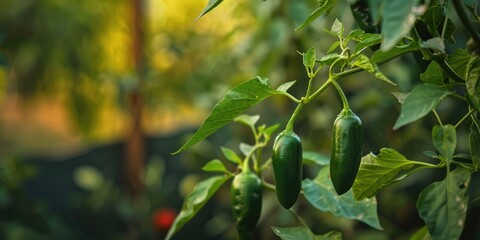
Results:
287 167
346 152
246 201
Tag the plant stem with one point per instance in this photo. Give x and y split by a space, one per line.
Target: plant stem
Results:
438 117
463 119
342 95
268 186
457 4
295 113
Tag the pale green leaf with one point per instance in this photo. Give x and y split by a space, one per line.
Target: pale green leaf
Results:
443 205
231 155
309 58
315 158
337 28
321 194
398 19
379 171
419 102
215 165
333 47
270 130
235 102
284 87
194 201
445 139
433 74
364 63
434 43
246 149
400 96
324 7
329 59
210 6
247 120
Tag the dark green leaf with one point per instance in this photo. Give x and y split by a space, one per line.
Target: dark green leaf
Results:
367 40
235 102
324 6
433 18
315 158
231 155
433 74
247 120
194 201
431 154
443 205
459 60
379 171
473 85
321 194
364 63
296 233
284 87
215 165
210 6
423 99
384 56
398 18
309 58
445 139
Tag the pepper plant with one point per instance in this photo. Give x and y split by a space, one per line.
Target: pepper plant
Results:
347 183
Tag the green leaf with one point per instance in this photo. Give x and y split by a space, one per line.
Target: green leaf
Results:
433 74
367 40
337 28
443 205
419 102
296 233
474 142
473 85
445 140
310 157
321 195
458 61
215 165
270 130
210 6
400 96
384 56
284 87
333 47
431 154
434 43
245 148
324 6
364 63
231 155
194 201
421 234
309 58
247 120
329 59
379 171
235 102
398 19
433 18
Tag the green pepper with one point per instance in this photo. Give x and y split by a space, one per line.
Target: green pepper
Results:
246 200
287 167
346 153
